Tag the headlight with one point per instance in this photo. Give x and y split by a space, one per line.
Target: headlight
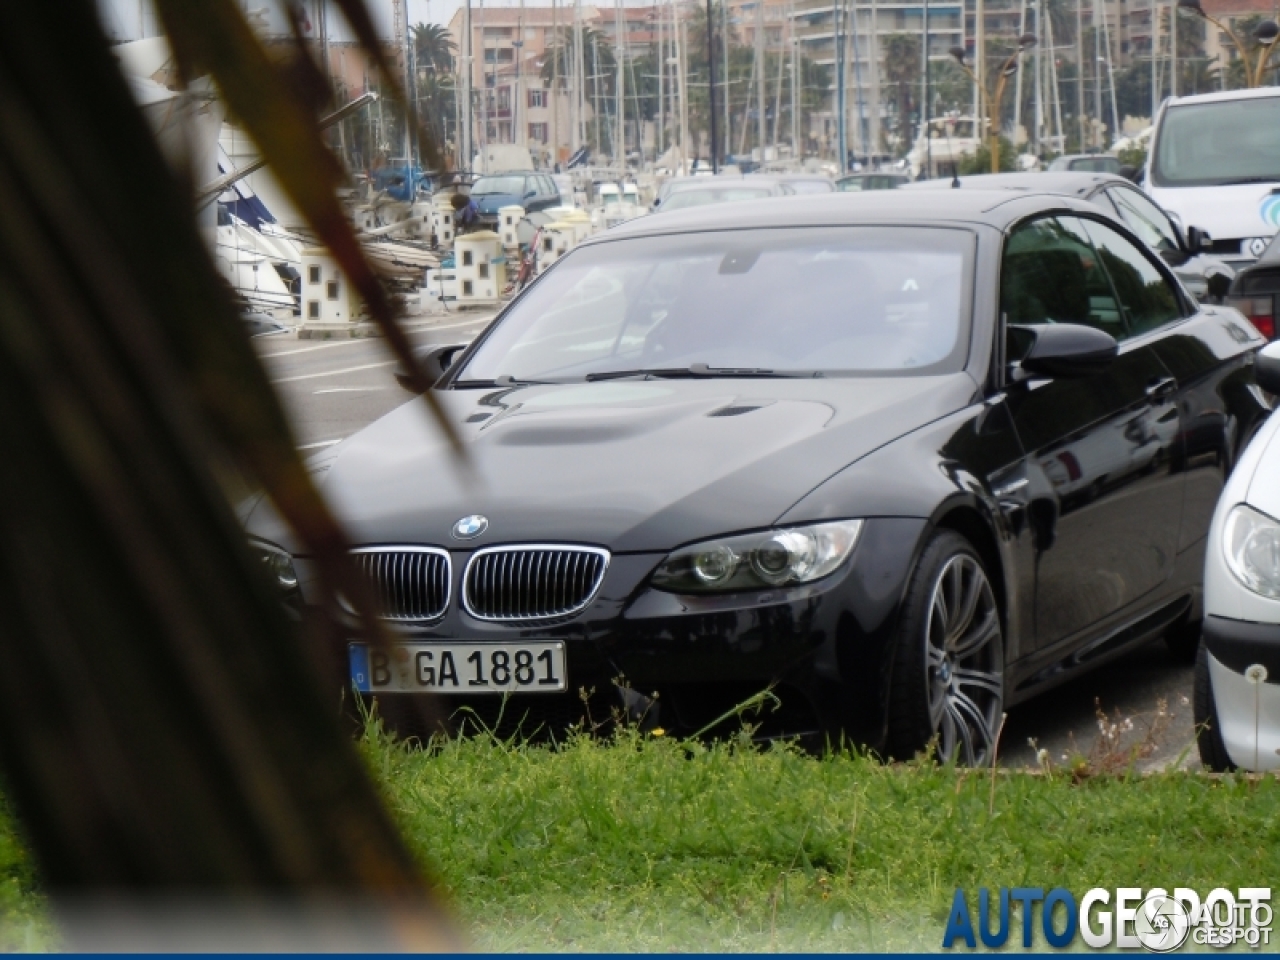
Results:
277 563
1251 541
757 561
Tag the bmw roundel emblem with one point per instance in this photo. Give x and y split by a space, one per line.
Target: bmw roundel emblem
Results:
468 528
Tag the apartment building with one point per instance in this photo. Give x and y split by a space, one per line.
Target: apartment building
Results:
511 101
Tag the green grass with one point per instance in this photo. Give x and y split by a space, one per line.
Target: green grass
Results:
652 844
24 921
649 844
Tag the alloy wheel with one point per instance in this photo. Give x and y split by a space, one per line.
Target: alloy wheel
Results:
964 663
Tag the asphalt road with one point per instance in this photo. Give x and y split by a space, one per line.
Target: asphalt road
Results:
333 388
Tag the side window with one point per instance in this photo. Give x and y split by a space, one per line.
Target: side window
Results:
1147 298
1051 274
548 186
1145 219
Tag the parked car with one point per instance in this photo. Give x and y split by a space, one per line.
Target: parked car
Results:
1255 292
1215 162
1085 163
524 188
1207 277
680 193
801 446
871 181
808 182
1237 683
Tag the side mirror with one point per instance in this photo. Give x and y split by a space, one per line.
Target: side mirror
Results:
1064 350
435 359
1266 367
1198 241
1218 282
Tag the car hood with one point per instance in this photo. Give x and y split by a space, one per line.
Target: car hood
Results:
493 202
1227 213
634 465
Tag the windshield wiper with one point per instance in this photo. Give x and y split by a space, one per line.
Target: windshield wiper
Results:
1238 181
503 381
697 371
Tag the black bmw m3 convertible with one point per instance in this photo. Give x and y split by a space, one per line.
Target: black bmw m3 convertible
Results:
903 459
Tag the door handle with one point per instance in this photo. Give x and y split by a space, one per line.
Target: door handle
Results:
1162 389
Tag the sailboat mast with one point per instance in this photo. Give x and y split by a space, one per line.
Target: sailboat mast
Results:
579 80
518 98
728 89
682 74
468 110
777 101
796 152
760 79
842 160
859 104
557 51
1055 87
1017 79
924 91
662 80
874 44
619 56
1080 117
711 87
1039 66
1111 78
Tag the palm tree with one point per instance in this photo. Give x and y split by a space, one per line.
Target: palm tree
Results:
433 48
902 73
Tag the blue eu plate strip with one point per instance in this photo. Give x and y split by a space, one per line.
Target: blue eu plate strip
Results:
358 656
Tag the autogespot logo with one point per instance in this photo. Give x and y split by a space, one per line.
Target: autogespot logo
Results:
1126 918
468 528
1270 209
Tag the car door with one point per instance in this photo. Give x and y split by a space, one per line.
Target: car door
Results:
1209 352
1104 518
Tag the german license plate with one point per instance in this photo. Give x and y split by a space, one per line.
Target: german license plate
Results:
454 667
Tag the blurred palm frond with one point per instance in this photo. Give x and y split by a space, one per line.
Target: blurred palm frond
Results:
162 726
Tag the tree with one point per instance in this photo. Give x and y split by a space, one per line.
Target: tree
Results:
902 66
433 48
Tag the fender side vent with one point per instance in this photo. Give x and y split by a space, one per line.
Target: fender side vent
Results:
733 411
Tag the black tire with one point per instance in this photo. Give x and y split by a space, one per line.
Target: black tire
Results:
1183 639
1204 713
948 674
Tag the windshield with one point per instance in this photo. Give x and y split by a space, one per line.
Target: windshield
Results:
487 185
811 186
1099 164
1207 144
845 300
681 199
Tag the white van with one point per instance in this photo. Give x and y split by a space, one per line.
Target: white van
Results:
1214 164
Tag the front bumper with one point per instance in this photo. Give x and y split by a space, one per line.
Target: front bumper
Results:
1247 699
823 648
